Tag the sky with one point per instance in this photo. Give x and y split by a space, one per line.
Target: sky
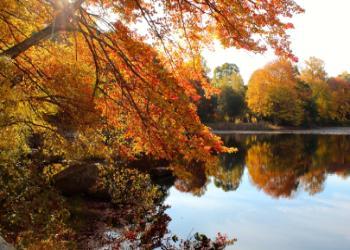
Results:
322 31
317 222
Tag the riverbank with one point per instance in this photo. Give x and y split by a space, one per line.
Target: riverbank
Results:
242 126
265 128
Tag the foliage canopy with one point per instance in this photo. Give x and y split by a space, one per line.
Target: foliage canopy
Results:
83 69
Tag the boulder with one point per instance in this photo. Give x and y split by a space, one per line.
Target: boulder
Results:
76 179
4 245
81 177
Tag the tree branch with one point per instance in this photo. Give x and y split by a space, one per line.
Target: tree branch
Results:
62 22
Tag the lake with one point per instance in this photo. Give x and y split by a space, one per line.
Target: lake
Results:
277 192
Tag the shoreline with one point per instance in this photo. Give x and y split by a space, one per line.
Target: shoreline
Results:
311 131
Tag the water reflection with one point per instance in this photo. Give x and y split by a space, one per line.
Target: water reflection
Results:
279 165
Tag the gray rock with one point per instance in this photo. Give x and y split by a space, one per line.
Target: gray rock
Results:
5 246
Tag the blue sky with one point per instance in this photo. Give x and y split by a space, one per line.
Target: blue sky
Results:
322 31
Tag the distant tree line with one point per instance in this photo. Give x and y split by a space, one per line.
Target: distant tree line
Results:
279 93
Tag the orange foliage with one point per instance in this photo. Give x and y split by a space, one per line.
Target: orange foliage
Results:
340 96
87 60
272 93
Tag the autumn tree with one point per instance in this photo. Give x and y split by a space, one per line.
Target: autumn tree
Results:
228 79
112 79
308 105
228 74
86 62
340 99
328 100
272 94
345 76
314 71
207 104
315 76
207 108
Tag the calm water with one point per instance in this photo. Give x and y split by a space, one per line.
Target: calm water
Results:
277 192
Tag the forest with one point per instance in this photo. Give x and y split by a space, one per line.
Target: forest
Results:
281 94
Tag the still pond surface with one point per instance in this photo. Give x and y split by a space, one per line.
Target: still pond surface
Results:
277 192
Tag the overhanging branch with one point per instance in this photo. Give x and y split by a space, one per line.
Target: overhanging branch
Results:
62 22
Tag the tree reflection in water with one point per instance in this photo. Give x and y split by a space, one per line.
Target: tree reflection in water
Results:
277 164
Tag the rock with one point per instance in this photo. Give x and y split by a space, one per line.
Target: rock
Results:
80 179
76 179
4 245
